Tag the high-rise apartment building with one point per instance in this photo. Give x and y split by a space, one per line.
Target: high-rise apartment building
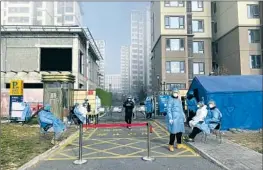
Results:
101 46
113 83
125 69
138 52
236 37
68 13
148 55
41 13
181 42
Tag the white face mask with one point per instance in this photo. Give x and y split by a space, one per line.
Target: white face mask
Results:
175 94
211 106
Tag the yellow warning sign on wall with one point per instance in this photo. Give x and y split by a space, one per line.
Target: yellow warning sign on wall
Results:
16 87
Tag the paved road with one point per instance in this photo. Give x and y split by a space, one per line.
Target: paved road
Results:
122 149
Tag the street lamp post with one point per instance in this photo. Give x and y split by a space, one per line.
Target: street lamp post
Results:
163 87
158 82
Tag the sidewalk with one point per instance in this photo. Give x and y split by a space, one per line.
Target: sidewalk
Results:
228 155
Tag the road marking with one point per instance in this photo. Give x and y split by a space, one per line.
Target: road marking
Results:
106 130
71 142
128 144
114 141
161 128
106 150
121 157
116 130
99 142
156 133
116 134
101 134
131 133
63 154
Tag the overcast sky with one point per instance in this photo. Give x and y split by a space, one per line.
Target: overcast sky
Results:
110 21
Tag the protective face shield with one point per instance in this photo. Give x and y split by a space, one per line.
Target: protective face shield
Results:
47 107
175 94
200 104
211 104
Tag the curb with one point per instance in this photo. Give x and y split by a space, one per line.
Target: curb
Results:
44 155
203 154
207 156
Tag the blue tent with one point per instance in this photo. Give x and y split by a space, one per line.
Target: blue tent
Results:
239 98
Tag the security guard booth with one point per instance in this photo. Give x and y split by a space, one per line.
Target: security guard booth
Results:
58 92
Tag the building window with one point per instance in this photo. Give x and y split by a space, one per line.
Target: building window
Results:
69 7
197 6
255 61
174 3
175 66
198 47
214 7
254 36
215 27
39 13
59 19
81 63
18 19
198 25
253 11
176 22
171 86
18 9
38 4
39 22
175 44
199 68
69 18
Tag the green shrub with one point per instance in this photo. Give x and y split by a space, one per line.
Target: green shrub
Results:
106 97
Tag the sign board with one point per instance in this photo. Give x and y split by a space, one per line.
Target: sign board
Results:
16 107
90 92
16 88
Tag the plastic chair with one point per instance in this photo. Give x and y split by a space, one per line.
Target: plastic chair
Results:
216 131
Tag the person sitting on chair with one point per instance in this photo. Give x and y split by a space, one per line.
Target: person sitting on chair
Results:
201 114
211 122
47 117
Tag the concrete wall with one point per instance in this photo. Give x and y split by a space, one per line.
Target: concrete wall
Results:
155 22
243 15
226 17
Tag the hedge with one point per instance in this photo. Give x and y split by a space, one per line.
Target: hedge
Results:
106 97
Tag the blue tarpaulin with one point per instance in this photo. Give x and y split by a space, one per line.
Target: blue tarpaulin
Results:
239 98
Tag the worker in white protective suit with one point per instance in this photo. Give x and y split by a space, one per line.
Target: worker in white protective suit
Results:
200 115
